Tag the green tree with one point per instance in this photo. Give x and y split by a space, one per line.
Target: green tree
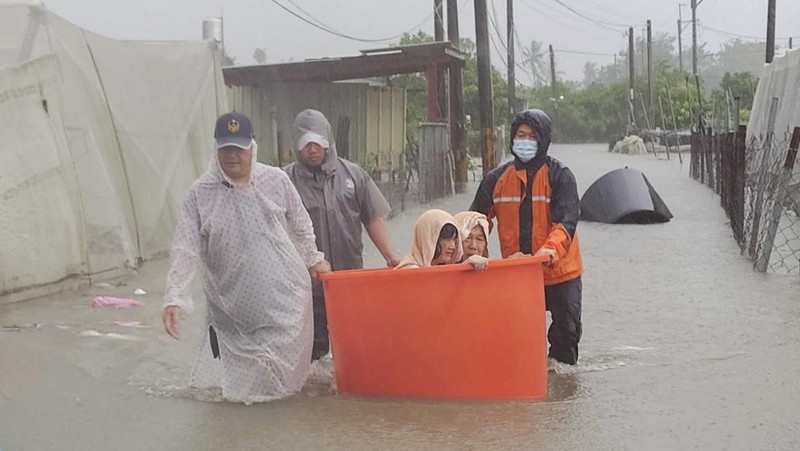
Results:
227 60
416 88
734 56
590 73
534 57
598 108
260 55
739 84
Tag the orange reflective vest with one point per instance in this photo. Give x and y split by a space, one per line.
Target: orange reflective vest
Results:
554 210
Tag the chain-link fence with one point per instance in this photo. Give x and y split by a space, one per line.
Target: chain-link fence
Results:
759 187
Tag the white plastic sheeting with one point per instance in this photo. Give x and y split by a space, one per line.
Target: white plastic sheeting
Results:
99 140
780 79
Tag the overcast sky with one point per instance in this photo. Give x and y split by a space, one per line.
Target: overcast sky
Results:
261 23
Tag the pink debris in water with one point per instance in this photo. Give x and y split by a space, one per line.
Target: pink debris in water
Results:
110 301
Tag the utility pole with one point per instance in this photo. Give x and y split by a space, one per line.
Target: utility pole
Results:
680 35
643 47
790 42
695 4
438 33
649 66
484 86
680 45
458 132
770 31
631 74
553 73
534 71
512 83
438 20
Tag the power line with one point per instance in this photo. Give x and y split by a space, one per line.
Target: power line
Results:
316 23
493 20
505 47
581 52
727 33
309 15
540 11
606 9
591 19
518 44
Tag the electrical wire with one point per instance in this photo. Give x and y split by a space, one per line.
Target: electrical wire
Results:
316 23
735 35
505 47
540 11
594 20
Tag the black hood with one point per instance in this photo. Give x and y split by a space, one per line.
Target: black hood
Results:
540 122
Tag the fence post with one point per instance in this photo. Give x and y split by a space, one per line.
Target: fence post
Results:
738 184
724 165
693 156
721 138
434 170
762 179
709 160
777 208
702 157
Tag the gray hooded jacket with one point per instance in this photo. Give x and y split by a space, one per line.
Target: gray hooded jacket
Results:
339 196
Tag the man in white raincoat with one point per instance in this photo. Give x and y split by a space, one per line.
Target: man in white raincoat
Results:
244 225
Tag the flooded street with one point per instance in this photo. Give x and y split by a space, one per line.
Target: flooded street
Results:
684 347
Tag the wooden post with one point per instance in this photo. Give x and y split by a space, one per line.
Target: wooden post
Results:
434 143
441 81
512 83
739 182
674 125
694 36
431 76
484 85
770 30
649 66
631 67
663 125
458 132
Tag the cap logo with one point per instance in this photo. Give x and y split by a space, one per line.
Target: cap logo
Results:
233 126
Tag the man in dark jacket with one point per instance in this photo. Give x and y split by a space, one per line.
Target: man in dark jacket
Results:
339 197
535 201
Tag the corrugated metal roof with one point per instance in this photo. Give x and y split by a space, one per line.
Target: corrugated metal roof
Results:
371 63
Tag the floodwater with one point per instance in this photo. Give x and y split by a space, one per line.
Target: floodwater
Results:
684 347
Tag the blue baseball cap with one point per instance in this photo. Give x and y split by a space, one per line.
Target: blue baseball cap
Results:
233 129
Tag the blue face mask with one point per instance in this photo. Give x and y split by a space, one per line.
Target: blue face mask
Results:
525 149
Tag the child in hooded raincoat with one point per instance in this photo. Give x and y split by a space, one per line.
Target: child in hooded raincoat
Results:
437 240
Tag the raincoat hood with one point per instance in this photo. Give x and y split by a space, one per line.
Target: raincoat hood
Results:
339 196
467 220
539 121
426 235
312 121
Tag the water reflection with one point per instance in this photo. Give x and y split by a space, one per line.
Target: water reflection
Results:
563 387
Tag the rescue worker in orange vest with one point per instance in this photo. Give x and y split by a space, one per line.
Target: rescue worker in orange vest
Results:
535 201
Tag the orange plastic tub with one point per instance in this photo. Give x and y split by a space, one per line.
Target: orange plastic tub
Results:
440 332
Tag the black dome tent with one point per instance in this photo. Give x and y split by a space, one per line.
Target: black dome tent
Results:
623 196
